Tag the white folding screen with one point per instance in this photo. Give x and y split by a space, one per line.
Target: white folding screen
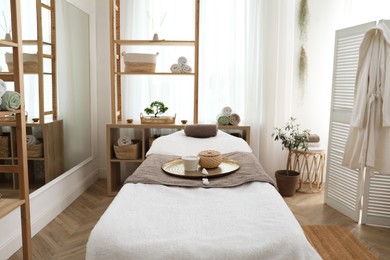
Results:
376 206
343 184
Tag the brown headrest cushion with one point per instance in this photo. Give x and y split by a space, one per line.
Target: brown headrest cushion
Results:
201 130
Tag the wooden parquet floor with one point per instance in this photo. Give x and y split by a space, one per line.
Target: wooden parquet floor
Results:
66 236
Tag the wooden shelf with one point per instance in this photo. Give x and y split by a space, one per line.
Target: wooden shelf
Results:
8 205
35 42
7 113
7 76
155 43
4 43
156 73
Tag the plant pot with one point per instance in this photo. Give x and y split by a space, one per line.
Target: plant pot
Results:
287 182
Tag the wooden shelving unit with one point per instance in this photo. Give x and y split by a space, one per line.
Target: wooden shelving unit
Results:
115 52
7 205
45 50
49 129
144 130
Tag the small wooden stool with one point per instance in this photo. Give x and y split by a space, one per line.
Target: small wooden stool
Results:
310 164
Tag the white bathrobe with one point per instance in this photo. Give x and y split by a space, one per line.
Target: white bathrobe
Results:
368 143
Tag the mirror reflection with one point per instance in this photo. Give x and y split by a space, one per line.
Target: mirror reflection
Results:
57 92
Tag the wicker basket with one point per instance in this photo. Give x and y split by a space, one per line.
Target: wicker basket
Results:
140 62
158 120
129 151
35 150
210 159
9 118
30 62
4 146
151 140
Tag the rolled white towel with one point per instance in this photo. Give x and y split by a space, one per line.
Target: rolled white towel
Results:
3 88
182 60
234 119
30 139
226 111
125 140
176 68
186 68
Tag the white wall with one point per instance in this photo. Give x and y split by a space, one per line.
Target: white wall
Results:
313 106
312 101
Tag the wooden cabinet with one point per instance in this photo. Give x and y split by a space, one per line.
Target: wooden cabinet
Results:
145 133
7 204
45 159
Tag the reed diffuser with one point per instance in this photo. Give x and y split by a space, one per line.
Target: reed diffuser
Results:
7 30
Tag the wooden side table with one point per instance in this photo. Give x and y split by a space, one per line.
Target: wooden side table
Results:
311 165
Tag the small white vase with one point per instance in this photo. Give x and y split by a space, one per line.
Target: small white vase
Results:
155 37
8 37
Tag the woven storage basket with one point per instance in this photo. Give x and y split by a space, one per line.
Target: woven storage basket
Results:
157 120
140 62
4 146
129 151
210 159
30 62
151 140
35 150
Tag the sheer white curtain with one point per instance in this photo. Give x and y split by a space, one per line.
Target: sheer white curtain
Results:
172 20
246 62
279 78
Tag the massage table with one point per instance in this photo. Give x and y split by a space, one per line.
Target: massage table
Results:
158 216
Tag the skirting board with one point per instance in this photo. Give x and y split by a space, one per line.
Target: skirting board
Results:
46 203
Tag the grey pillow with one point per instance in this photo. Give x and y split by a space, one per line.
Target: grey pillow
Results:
201 130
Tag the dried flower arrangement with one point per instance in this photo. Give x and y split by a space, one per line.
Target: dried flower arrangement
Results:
303 18
302 65
303 21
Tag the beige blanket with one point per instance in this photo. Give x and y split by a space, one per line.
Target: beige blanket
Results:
150 172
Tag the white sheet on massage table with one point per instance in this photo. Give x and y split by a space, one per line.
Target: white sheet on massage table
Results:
250 221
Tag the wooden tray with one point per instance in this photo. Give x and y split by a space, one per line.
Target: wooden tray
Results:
176 168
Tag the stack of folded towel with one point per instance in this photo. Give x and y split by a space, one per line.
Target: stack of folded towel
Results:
3 88
227 117
181 66
125 140
30 139
314 141
10 100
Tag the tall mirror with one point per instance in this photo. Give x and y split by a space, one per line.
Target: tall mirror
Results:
57 91
74 82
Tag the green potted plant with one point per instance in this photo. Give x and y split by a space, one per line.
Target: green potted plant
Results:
155 109
291 138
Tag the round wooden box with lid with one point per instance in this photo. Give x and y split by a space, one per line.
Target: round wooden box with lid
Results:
210 159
